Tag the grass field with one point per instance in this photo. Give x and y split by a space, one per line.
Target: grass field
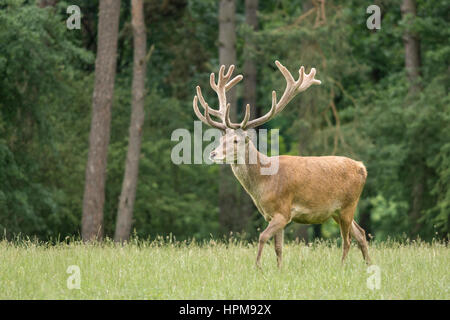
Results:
144 270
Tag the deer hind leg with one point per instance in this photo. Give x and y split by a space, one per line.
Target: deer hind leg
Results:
277 223
344 220
279 246
360 236
345 234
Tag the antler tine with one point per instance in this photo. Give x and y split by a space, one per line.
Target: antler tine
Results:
206 118
196 111
233 82
203 103
223 78
212 81
243 123
266 117
246 117
221 75
308 80
274 105
229 73
301 74
228 123
287 75
213 123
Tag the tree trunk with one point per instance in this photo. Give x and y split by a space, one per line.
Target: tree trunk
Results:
105 71
304 135
250 72
250 76
412 65
412 47
228 209
417 200
227 45
128 194
47 3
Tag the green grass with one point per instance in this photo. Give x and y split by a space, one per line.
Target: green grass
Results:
144 270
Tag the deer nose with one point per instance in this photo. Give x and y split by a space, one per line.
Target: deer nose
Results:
212 155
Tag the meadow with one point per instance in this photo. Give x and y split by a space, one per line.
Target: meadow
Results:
164 269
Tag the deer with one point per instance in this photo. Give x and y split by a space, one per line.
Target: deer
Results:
304 189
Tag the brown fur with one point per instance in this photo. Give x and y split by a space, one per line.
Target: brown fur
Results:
307 190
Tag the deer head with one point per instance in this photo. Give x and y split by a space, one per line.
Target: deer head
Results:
234 134
230 144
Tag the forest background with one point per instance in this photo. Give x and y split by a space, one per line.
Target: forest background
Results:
384 100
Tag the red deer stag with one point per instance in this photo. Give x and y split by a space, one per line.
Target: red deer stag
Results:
307 190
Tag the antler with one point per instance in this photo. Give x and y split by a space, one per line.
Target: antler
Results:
223 85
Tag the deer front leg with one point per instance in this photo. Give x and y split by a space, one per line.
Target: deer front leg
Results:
278 237
277 223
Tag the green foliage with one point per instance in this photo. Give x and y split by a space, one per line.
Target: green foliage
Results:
170 198
363 109
38 63
389 217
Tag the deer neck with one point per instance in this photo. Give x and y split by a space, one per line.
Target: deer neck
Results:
248 170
